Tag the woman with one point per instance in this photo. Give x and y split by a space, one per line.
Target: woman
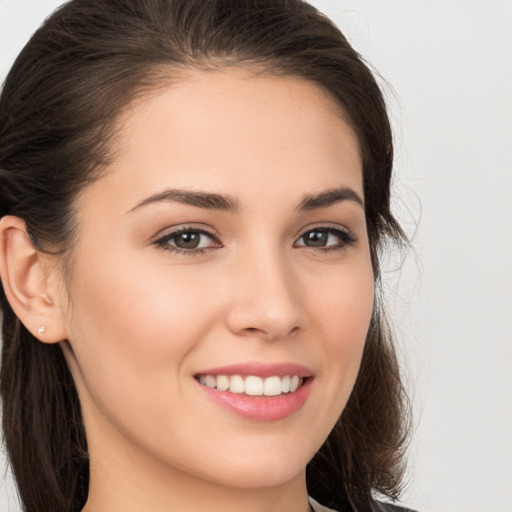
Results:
193 198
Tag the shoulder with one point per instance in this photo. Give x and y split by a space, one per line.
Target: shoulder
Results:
389 507
378 507
316 507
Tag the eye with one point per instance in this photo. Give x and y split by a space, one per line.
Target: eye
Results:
326 238
187 240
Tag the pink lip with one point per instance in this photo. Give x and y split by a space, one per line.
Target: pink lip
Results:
260 369
261 408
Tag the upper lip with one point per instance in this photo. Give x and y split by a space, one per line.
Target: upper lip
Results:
260 369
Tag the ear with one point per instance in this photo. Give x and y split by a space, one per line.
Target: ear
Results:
30 283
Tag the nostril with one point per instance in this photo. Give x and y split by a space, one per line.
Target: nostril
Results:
264 319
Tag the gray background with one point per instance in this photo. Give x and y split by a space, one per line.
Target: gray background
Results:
449 66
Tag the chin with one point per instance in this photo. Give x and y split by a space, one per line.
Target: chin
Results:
259 471
260 477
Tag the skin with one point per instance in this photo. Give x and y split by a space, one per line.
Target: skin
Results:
142 320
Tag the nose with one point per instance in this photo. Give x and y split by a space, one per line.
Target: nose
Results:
266 301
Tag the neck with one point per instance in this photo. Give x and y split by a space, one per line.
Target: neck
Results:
124 479
149 495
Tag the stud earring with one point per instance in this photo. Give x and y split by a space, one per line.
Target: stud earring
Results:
42 329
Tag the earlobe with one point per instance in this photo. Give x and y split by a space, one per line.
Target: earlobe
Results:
26 283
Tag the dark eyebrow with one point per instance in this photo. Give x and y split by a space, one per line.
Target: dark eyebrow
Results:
328 198
205 200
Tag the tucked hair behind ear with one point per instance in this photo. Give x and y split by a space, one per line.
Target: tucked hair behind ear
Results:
58 111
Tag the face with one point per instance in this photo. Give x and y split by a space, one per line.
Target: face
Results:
223 255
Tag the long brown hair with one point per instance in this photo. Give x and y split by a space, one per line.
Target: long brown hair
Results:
58 112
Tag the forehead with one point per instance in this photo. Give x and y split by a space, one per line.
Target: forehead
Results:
233 130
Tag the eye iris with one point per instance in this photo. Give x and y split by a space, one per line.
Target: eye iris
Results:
316 239
188 240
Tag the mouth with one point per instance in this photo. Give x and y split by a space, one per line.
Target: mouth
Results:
253 385
258 391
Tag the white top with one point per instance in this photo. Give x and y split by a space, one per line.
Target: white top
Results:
319 508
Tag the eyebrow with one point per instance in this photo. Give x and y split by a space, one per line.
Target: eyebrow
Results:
220 202
204 200
328 198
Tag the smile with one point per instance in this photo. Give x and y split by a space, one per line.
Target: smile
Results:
253 385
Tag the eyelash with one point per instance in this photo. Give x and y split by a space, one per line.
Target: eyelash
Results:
163 242
346 240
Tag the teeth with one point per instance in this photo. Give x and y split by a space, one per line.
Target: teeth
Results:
253 385
222 383
272 386
211 381
294 383
285 384
236 384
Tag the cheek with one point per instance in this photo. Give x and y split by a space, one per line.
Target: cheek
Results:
342 311
142 304
132 328
343 307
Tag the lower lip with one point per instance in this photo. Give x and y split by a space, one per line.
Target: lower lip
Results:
261 408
